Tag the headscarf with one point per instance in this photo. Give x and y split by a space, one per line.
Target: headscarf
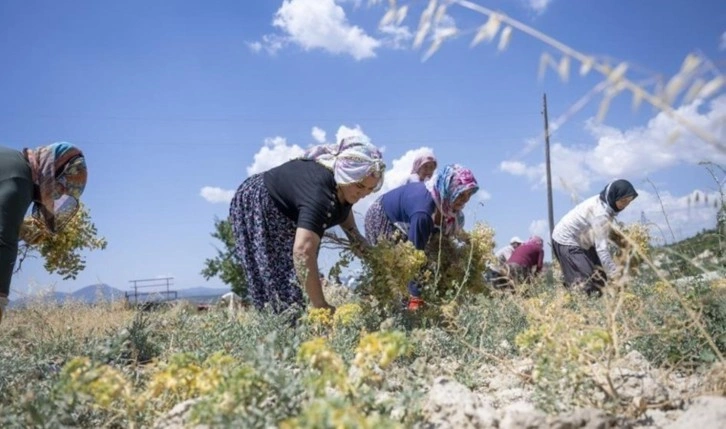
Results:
617 190
351 160
445 186
53 165
425 157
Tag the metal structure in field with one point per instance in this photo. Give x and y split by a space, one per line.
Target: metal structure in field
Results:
143 294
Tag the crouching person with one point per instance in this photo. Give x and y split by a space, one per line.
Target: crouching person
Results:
580 238
526 261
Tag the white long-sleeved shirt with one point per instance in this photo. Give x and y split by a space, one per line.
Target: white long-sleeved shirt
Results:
504 253
588 225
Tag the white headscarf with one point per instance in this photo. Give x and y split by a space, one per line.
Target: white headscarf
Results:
351 160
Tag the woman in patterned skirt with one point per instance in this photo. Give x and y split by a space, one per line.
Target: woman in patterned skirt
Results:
418 209
279 217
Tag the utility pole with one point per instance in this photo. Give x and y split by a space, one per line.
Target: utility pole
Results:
550 212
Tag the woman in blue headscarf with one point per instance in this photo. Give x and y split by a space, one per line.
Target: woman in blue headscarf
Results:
53 177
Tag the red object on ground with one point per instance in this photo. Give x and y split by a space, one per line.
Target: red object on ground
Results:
415 303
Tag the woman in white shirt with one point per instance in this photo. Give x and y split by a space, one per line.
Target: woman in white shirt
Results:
580 239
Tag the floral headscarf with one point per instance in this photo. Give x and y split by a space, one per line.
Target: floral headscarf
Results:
351 160
55 168
425 157
445 186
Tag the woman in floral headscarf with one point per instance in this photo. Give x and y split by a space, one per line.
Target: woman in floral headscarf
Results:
53 177
279 217
423 167
417 210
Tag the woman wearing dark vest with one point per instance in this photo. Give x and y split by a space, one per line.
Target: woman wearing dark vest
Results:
279 218
53 177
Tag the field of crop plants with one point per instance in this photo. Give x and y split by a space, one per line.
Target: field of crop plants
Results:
647 353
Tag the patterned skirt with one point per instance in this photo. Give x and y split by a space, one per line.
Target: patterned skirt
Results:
264 240
377 224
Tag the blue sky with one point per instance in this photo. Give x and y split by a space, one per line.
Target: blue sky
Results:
175 102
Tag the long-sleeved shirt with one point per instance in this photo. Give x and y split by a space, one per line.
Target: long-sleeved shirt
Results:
586 226
504 253
413 205
528 255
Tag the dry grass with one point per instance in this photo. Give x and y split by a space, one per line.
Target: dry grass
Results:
41 321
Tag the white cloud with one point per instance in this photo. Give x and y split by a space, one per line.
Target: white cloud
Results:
254 46
538 6
344 132
271 43
540 227
633 153
318 134
274 152
685 215
722 46
217 195
322 24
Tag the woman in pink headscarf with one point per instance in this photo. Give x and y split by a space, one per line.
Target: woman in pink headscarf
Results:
418 210
423 167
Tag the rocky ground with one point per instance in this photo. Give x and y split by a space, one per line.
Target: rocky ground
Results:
658 400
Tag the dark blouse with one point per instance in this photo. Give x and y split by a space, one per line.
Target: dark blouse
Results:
305 191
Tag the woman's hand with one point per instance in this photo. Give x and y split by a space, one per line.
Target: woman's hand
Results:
31 231
359 244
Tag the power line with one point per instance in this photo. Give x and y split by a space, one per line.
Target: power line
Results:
252 119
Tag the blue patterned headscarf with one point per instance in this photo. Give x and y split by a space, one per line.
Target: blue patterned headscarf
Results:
60 174
351 160
445 186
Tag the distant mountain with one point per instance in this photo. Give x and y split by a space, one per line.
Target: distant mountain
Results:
103 292
98 292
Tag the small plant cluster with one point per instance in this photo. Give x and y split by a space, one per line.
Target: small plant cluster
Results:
387 269
631 245
62 251
456 266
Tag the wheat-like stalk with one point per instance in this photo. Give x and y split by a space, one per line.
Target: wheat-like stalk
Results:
691 78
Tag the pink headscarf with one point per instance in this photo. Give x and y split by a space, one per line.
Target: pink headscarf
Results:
445 186
425 157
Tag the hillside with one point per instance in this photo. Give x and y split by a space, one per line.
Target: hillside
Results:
705 251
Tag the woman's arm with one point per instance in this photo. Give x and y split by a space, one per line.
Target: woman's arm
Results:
305 257
601 232
359 243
